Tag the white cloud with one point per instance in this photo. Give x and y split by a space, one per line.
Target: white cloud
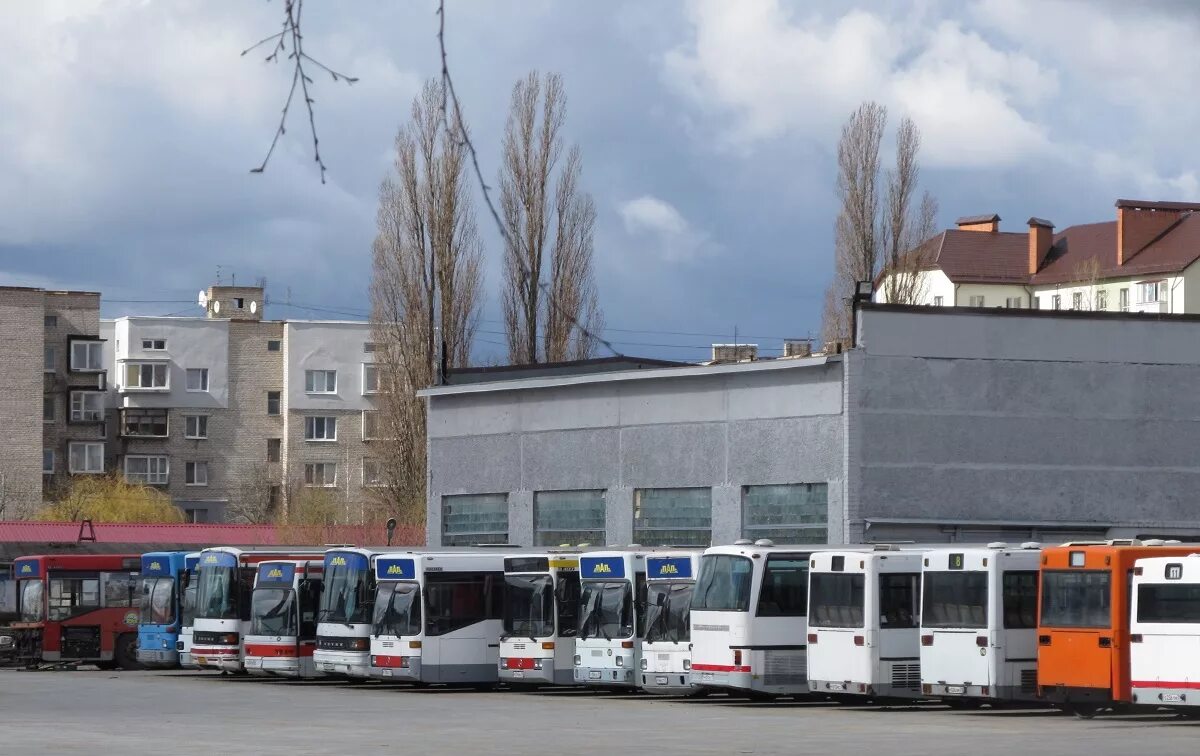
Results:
673 238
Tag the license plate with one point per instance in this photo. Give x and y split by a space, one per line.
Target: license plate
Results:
518 673
594 674
201 660
956 690
1172 698
706 676
660 680
387 673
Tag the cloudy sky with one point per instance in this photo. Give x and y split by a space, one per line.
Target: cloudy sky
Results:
708 131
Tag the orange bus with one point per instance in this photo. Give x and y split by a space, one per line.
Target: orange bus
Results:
1083 621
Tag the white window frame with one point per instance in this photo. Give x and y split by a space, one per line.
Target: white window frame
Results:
375 436
152 345
50 359
159 477
310 475
378 482
89 446
1056 302
200 432
1014 303
1077 300
202 373
83 414
93 356
192 473
311 384
373 369
977 300
1159 289
937 301
1101 300
48 470
166 371
328 422
1037 303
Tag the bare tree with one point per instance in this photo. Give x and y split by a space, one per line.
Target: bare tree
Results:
548 228
1085 275
425 290
256 498
906 226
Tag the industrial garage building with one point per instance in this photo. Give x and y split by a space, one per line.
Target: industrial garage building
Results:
941 424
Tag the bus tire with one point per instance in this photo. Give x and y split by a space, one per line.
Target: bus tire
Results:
125 652
1084 711
760 697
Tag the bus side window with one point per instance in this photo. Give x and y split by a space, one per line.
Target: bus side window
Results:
1020 599
120 588
310 598
568 603
784 590
453 601
639 602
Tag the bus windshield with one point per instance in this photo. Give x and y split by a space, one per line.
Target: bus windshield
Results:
836 599
668 607
398 610
1175 602
607 609
1078 598
188 605
158 600
32 593
528 606
724 584
273 612
347 595
215 595
955 599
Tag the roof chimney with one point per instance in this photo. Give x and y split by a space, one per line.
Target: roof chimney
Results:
1140 222
734 352
1041 237
988 223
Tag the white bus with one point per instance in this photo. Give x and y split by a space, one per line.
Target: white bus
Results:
541 608
666 657
979 623
344 617
612 598
225 581
437 617
864 623
283 619
748 620
187 609
1164 632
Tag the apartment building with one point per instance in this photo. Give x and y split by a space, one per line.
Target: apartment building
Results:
1143 261
229 411
58 331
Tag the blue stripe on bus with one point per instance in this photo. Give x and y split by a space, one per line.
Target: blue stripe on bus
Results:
396 569
668 567
601 567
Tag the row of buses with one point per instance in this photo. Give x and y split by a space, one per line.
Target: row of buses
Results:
1083 626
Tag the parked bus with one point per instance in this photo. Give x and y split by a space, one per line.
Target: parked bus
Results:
225 581
1165 632
540 618
344 618
283 619
979 624
612 605
748 619
8 593
437 617
1083 622
187 609
864 623
158 627
666 657
77 607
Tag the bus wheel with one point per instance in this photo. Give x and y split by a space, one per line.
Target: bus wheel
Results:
759 696
1084 711
125 653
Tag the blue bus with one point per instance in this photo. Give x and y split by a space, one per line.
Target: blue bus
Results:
164 579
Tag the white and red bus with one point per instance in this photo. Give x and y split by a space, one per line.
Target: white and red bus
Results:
1164 639
283 619
344 617
541 607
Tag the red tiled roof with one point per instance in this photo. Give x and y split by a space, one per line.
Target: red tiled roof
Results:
205 534
983 256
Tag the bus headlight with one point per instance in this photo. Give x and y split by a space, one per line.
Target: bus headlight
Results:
578 660
687 665
537 663
404 662
644 664
358 644
620 661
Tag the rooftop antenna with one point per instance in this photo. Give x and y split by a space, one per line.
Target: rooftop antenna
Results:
218 275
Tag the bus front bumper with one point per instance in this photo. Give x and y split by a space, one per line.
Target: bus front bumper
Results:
283 667
399 668
620 677
158 657
671 683
224 658
719 676
524 673
1166 696
342 664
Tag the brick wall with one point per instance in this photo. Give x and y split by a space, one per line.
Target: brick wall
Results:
21 356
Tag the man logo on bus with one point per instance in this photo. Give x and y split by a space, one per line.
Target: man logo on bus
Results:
1174 572
395 569
669 569
275 573
337 562
603 567
210 559
155 566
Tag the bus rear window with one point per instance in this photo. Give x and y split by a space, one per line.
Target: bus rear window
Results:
723 584
1076 598
899 600
954 599
1175 602
836 600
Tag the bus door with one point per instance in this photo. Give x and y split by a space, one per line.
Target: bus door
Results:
898 647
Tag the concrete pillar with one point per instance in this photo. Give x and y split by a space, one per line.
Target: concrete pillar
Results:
836 518
433 519
726 514
520 518
618 516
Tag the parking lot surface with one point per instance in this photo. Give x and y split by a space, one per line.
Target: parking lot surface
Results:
94 712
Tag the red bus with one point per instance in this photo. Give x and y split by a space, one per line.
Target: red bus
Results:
77 607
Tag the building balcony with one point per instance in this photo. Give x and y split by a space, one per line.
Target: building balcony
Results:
1156 307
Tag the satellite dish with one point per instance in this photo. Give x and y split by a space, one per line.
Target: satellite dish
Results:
253 307
216 306
202 300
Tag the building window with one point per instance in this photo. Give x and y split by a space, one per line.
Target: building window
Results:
273 447
370 379
195 473
272 402
196 515
49 409
195 426
370 422
146 375
938 301
50 358
239 303
977 300
273 345
85 457
1123 300
320 474
368 347
320 429
796 513
1014 303
672 516
1037 303
474 518
1077 300
87 406
372 473
154 345
197 379
47 461
1152 291
87 356
50 321
568 517
1056 302
150 423
320 381
150 470
1101 300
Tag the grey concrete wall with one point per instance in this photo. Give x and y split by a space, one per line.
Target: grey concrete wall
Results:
723 428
